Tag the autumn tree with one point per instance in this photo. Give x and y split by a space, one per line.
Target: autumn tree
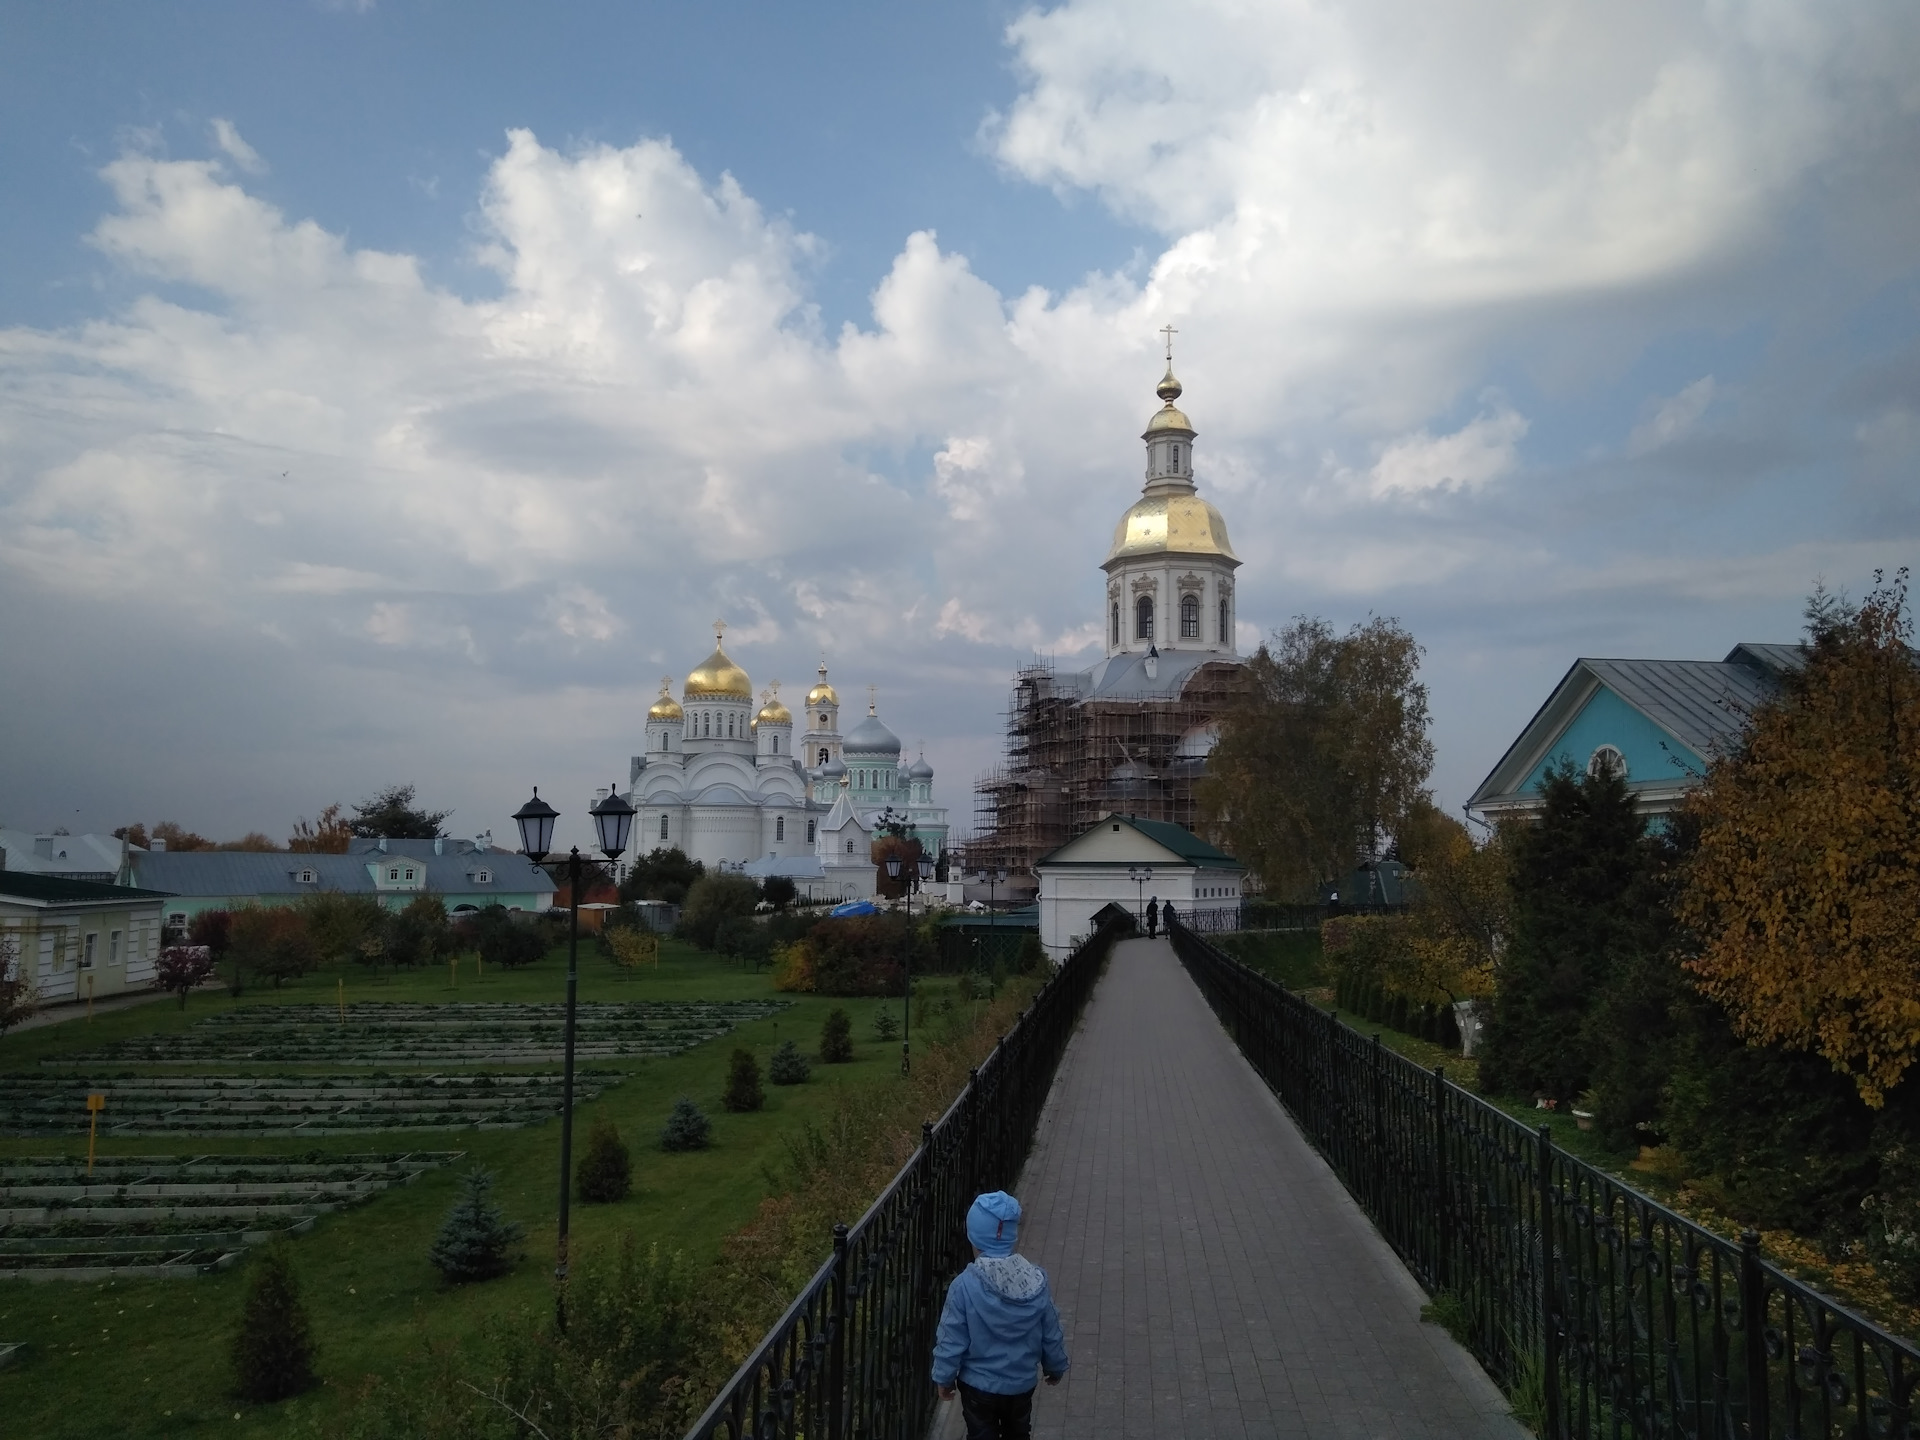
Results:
1803 892
329 833
904 848
178 837
19 999
1325 756
1460 912
393 813
272 941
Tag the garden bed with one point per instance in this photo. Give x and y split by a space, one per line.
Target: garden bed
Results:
287 1105
168 1217
455 1033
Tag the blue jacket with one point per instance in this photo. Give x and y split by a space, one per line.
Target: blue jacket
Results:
998 1325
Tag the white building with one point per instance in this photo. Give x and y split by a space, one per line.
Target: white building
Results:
729 784
1130 862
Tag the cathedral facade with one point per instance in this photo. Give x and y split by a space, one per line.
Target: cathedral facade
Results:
1132 733
728 781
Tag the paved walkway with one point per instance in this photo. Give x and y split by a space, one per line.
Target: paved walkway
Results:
1213 1276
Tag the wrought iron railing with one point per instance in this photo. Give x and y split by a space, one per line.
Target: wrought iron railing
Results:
850 1359
1611 1315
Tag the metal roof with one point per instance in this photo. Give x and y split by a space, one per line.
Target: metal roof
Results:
234 872
1704 703
60 890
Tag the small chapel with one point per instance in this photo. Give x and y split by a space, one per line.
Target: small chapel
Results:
728 781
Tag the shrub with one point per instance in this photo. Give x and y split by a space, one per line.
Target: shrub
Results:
836 1039
687 1128
779 891
743 938
711 900
862 954
1032 956
339 924
273 1348
743 1084
476 1241
182 968
789 1066
605 1171
631 947
793 968
885 1025
420 934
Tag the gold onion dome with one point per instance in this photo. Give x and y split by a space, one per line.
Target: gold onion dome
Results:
1168 416
666 707
1179 524
822 693
772 712
718 676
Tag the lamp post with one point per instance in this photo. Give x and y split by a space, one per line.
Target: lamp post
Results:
612 821
1140 874
924 867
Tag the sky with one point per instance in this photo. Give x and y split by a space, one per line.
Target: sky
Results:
395 392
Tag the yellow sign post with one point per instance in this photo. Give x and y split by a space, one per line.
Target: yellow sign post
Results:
343 1001
96 1102
89 995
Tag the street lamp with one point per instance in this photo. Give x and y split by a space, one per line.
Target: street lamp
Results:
1140 874
925 868
612 822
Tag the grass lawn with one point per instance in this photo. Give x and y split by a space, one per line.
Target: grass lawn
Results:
149 1357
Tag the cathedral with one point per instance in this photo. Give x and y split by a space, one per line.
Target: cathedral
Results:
1133 732
733 786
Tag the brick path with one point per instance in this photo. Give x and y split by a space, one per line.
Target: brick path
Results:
1213 1276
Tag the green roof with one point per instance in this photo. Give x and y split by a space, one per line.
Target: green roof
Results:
1177 838
58 890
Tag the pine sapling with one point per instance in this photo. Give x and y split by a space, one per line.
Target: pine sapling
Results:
605 1171
886 1025
476 1241
273 1348
836 1039
743 1084
789 1066
687 1128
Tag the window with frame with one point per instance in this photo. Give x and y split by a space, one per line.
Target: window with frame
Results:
663 827
409 874
779 827
776 744
1225 638
483 877
393 873
811 827
1116 623
1189 617
113 947
1143 618
849 847
86 950
823 754
306 877
1176 457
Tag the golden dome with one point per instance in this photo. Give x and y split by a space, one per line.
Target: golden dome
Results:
718 676
772 712
666 707
822 693
1168 418
1176 523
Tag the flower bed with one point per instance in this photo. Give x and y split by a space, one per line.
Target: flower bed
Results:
287 1105
405 1033
162 1215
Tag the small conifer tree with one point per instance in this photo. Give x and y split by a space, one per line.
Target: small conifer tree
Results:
273 1348
743 1084
886 1026
605 1171
476 1241
687 1128
789 1066
836 1039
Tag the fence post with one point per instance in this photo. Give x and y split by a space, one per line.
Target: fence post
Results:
837 1341
1753 1320
1378 1139
1549 1294
1442 1186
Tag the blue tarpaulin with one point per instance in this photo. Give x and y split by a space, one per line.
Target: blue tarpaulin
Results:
854 907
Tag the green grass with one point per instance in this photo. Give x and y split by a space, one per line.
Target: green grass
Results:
138 1358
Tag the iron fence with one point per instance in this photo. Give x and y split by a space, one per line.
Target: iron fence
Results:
850 1359
1603 1312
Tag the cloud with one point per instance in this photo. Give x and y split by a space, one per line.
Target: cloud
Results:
1672 418
1479 452
237 150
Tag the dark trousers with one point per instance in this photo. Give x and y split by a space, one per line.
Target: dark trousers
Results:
996 1417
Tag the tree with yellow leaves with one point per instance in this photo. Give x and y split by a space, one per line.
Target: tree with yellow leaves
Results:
1804 892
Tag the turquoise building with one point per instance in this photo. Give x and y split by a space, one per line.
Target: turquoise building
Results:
1657 721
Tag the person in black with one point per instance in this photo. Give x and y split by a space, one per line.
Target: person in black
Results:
1153 917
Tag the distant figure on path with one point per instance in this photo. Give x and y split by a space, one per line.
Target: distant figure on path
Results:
1153 917
998 1326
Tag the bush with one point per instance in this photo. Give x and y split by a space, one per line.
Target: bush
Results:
836 1039
743 938
687 1128
181 969
779 891
1032 956
502 940
859 954
743 1084
789 1066
885 1025
711 900
661 874
605 1171
793 968
420 934
273 1348
476 1241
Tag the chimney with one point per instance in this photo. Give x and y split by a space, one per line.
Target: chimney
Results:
383 844
3 857
437 842
43 846
157 846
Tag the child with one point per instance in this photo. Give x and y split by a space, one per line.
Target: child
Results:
998 1325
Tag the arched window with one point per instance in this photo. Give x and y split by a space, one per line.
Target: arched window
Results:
1143 618
1225 638
823 754
779 827
1116 623
849 847
729 727
1189 617
776 744
663 827
810 830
